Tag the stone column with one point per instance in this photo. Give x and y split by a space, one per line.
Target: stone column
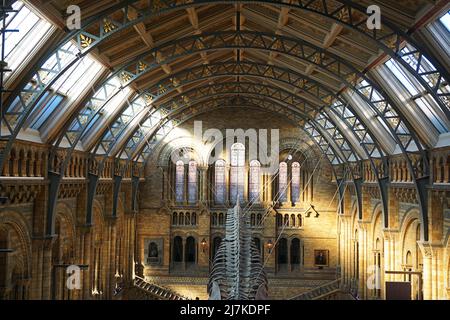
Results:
427 271
47 269
87 235
203 193
183 256
362 234
36 271
111 273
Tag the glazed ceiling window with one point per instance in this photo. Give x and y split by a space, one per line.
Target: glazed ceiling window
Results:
114 85
20 45
413 90
446 20
106 102
68 88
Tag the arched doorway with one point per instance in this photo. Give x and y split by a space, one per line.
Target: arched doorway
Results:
14 261
295 254
177 252
190 252
282 255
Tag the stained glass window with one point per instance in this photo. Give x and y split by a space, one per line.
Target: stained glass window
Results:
220 181
295 182
255 168
179 182
282 181
237 178
192 182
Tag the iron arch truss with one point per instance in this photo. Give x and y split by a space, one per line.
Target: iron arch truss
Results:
327 113
103 26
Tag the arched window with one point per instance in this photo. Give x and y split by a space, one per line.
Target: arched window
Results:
295 252
252 219
237 178
292 220
177 249
255 169
179 182
221 220
220 182
295 182
419 258
286 220
259 219
190 250
175 219
214 219
282 182
181 219
187 219
279 220
192 182
299 220
194 219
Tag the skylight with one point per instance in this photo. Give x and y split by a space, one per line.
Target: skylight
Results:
446 20
31 31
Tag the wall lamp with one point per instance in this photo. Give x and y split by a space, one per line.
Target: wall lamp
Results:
269 245
203 244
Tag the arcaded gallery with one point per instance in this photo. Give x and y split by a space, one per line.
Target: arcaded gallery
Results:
225 150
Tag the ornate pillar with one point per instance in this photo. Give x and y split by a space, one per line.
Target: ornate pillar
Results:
36 271
183 248
427 253
363 245
47 268
86 259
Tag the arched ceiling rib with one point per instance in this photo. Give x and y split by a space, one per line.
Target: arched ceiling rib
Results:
286 79
342 11
137 68
320 52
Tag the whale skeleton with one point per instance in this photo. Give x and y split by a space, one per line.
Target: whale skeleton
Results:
237 271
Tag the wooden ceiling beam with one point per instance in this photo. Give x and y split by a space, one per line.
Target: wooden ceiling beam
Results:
193 19
147 39
283 19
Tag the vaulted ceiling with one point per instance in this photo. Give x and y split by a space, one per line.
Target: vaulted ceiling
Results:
301 58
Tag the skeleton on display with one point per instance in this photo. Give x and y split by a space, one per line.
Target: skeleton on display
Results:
237 272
